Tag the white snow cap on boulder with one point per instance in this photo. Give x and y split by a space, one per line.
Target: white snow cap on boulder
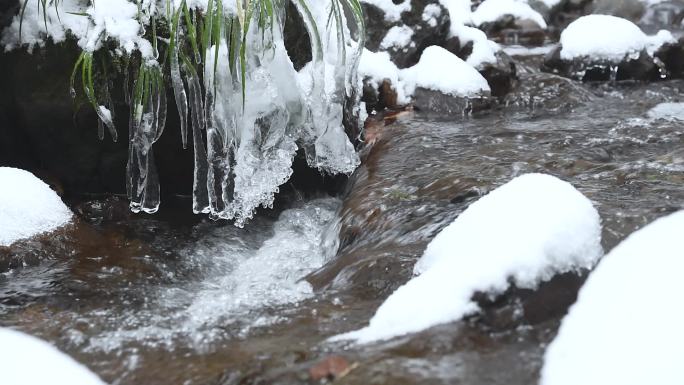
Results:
440 70
528 230
605 37
627 324
492 10
28 206
27 360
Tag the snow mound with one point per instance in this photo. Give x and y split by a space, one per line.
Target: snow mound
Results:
27 206
525 231
440 70
607 37
626 327
492 10
27 360
460 15
667 111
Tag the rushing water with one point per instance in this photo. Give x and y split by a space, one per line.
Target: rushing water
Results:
174 300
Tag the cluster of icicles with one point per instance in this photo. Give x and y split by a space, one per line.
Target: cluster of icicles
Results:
246 130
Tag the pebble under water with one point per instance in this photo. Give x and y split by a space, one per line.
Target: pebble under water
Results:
182 300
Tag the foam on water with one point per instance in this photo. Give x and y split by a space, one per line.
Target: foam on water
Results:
247 285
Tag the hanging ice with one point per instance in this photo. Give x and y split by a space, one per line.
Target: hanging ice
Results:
249 110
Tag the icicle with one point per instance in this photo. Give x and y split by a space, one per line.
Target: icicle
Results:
146 124
176 80
200 203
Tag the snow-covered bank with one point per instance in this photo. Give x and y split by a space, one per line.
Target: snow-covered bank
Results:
524 232
604 37
27 360
626 327
28 206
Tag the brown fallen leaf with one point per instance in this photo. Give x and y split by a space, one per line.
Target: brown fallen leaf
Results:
331 368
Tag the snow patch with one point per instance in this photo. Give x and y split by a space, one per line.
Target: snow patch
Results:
28 206
440 70
378 67
667 111
609 38
397 37
626 326
492 10
527 230
28 360
460 14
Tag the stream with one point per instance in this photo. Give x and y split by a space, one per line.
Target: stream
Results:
179 299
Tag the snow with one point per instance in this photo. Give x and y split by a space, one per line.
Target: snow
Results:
28 206
440 70
27 360
667 111
525 231
392 11
484 50
492 10
430 14
378 67
608 38
626 326
397 37
518 50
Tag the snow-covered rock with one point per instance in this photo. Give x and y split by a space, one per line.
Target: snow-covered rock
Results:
525 232
609 38
28 206
492 10
27 360
440 70
626 326
603 47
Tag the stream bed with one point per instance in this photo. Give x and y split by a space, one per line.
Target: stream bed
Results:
178 299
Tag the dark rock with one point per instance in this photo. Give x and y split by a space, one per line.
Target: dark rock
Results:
643 68
436 102
425 33
667 14
501 76
672 57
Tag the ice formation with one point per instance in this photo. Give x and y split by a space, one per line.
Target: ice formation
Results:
26 360
604 37
248 109
525 232
28 206
626 326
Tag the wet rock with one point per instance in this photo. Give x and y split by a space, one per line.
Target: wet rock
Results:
435 102
642 67
517 307
501 76
672 57
426 24
379 98
547 92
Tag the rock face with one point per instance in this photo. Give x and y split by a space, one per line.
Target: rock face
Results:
643 68
42 128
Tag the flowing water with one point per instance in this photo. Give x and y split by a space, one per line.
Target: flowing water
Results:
182 300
